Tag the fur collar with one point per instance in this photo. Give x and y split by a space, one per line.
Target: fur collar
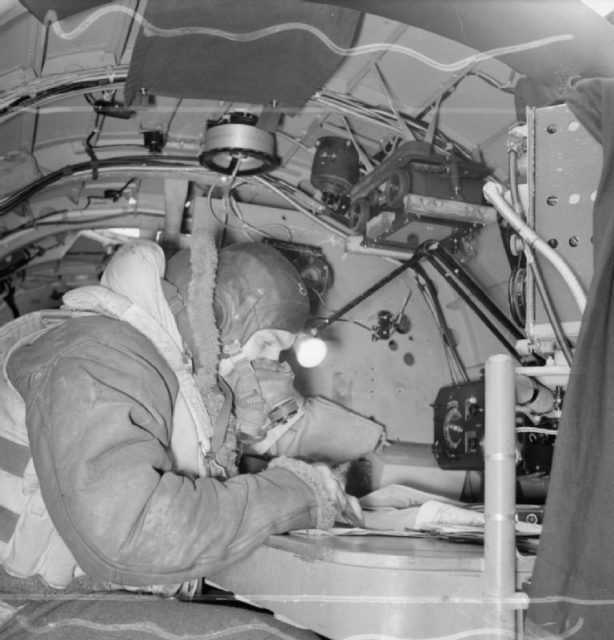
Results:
203 260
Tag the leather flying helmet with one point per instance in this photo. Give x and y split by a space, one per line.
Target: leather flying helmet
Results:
257 287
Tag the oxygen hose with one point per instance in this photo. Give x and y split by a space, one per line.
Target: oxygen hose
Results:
493 192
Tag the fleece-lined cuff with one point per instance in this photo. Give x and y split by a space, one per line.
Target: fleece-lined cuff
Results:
305 472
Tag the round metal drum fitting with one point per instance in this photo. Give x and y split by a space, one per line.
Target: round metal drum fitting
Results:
358 215
239 149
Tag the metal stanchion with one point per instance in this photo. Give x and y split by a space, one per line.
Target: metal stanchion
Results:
500 495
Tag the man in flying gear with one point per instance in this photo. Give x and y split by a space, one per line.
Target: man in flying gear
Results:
260 306
127 469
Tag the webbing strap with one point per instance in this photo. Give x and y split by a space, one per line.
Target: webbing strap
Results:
8 522
223 418
14 457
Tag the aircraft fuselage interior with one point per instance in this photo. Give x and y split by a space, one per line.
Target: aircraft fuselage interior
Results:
435 172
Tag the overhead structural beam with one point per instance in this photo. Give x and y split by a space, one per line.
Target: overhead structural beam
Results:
175 194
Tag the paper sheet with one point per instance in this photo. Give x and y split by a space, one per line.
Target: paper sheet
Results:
399 510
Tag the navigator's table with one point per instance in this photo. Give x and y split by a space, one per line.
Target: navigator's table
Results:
369 586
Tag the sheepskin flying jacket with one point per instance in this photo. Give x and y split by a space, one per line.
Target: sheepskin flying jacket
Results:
99 401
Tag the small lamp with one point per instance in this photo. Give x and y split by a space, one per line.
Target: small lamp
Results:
310 350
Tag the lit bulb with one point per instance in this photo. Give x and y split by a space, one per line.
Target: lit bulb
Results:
310 350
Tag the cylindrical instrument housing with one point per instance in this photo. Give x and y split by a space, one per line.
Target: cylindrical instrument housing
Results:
335 166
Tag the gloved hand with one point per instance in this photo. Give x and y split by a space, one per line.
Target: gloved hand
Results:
334 504
333 481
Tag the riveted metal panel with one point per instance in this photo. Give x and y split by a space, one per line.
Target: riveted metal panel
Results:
564 168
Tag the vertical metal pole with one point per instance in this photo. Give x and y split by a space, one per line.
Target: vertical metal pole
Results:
500 492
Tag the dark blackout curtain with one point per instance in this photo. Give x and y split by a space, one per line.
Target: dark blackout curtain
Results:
573 581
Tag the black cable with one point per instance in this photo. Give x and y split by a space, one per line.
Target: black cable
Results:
427 288
32 224
118 193
31 101
144 161
86 221
365 294
356 322
549 308
9 299
119 145
533 264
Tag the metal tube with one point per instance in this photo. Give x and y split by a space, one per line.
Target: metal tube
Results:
500 491
475 289
450 278
493 193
